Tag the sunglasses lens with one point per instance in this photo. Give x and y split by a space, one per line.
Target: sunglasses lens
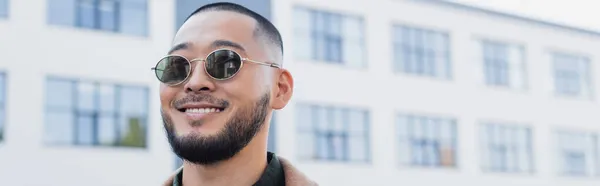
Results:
223 64
172 69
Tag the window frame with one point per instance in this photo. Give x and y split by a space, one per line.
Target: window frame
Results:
329 134
416 123
591 149
439 60
562 76
123 17
97 15
326 39
116 114
506 137
497 69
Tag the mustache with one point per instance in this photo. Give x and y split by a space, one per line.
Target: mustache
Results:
201 98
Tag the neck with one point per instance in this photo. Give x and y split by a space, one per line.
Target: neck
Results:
245 168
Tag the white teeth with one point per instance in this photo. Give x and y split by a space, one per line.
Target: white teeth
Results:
202 110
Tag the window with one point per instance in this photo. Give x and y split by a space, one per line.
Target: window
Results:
503 64
506 148
123 16
333 133
329 37
95 114
4 8
2 105
421 52
572 76
271 144
97 14
178 162
426 141
578 153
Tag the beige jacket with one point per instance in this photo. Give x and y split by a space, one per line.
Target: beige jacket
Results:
293 176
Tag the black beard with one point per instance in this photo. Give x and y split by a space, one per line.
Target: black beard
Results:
208 150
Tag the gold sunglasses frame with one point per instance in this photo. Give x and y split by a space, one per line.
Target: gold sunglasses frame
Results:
242 61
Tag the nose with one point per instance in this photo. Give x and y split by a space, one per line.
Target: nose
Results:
199 81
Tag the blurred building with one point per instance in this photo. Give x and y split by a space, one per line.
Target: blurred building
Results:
388 92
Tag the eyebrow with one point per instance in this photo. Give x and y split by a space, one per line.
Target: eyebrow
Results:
215 44
226 43
180 46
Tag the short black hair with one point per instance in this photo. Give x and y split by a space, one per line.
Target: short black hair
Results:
264 27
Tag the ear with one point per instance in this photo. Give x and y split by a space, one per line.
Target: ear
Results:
284 88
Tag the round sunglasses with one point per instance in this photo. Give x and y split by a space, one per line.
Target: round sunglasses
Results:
220 64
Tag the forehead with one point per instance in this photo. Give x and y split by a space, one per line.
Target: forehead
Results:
204 28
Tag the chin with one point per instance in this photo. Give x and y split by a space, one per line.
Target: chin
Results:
200 132
208 126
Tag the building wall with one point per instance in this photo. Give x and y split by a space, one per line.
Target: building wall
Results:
464 97
32 50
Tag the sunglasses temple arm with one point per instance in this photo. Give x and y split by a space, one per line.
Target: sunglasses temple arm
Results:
274 65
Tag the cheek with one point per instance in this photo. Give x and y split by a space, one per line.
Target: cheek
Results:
249 84
167 95
240 94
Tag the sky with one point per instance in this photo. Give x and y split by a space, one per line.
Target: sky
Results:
577 13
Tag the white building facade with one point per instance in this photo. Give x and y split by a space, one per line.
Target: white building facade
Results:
387 92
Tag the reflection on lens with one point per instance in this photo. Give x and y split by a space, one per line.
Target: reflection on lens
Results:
223 64
172 69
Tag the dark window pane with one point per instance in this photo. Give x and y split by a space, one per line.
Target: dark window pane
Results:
108 12
576 163
303 117
2 104
178 162
4 8
2 89
329 37
86 93
105 114
85 130
420 51
323 148
426 141
59 94
59 127
133 106
571 75
358 148
133 17
62 12
134 100
507 148
337 147
107 130
2 121
272 132
307 145
328 135
132 132
86 15
107 98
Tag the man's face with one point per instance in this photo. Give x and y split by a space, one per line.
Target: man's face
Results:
210 120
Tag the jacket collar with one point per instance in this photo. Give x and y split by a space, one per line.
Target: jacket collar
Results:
293 176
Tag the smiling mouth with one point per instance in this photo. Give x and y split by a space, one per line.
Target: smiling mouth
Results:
200 110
